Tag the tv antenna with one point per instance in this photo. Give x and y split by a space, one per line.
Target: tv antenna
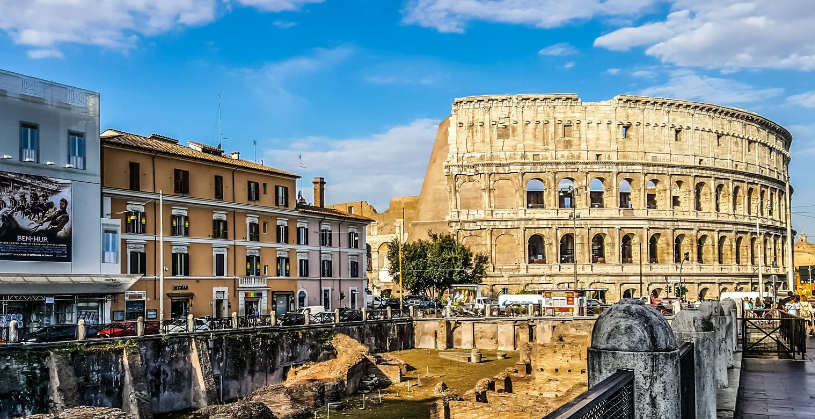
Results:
221 137
255 145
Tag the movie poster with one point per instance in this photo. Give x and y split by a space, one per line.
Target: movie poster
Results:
35 218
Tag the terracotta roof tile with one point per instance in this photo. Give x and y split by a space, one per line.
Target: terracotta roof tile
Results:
330 211
167 145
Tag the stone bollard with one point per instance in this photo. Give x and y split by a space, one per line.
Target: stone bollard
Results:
632 336
190 323
481 389
307 316
530 310
448 311
234 320
140 326
731 309
365 314
390 313
691 325
81 332
487 310
715 313
412 310
273 318
336 315
475 356
13 332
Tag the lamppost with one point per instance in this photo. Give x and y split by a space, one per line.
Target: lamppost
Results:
685 257
572 191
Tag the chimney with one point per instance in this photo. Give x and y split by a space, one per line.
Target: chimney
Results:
236 155
319 192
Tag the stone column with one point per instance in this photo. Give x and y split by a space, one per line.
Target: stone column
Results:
633 336
732 311
691 325
714 312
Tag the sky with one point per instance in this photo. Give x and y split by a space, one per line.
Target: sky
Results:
353 90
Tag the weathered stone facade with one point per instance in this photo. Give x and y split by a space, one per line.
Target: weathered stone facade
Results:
651 180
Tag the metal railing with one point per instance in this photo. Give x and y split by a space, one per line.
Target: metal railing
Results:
784 335
687 381
612 398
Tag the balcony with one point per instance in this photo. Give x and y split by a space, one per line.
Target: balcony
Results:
251 281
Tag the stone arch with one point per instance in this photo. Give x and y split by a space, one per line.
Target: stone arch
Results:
738 205
722 199
761 205
567 252
703 293
506 252
475 243
598 249
470 196
651 201
656 292
629 293
681 247
704 249
725 251
653 248
597 191
627 248
677 200
535 189
382 256
753 250
625 194
536 249
739 260
750 201
701 197
503 194
566 193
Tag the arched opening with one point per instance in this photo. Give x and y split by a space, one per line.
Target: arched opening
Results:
676 196
766 253
703 293
598 249
566 194
761 204
656 292
470 197
537 251
701 199
626 255
596 193
737 206
724 251
506 253
701 249
739 244
625 194
771 204
651 194
534 193
504 194
629 293
302 298
678 248
753 251
652 249
567 249
750 196
717 198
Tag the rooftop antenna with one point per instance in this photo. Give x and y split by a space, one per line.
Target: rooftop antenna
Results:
255 145
302 167
221 137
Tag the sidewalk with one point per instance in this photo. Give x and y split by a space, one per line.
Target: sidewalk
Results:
777 388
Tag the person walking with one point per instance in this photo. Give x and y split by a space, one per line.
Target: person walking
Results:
806 313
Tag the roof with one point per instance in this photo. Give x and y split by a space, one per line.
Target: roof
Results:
66 283
330 211
170 146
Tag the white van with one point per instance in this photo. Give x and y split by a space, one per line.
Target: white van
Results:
519 300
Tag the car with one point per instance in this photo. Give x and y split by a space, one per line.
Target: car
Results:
350 315
201 324
57 333
291 319
126 329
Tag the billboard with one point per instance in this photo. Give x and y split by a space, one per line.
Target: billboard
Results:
35 218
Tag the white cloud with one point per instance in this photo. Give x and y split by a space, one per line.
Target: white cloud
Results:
613 71
44 25
284 24
806 99
726 34
569 65
560 49
373 168
690 86
454 15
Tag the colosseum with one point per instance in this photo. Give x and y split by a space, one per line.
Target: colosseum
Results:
628 196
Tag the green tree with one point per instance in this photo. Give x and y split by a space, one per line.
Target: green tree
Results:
432 266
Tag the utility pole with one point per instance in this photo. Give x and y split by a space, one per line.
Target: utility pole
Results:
640 268
401 239
161 257
759 243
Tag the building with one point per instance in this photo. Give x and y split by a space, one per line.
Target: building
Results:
631 196
59 258
805 265
235 239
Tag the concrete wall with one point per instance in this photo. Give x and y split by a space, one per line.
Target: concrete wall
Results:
171 373
493 333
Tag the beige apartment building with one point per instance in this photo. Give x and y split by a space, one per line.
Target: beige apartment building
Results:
631 196
235 238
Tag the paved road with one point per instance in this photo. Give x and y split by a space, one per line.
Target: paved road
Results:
772 388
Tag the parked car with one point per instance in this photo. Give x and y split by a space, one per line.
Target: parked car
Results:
126 329
350 315
57 333
291 319
201 324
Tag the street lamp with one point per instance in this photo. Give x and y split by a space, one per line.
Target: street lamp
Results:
572 191
685 257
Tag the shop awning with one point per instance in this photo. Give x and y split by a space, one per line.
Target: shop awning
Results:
65 284
181 294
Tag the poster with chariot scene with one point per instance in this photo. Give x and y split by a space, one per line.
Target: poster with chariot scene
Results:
35 218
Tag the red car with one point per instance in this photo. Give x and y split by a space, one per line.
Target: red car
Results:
126 329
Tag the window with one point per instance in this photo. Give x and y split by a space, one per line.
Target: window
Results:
302 298
678 135
568 130
136 222
264 188
302 235
567 249
350 209
700 249
76 150
626 130
181 264
265 227
327 298
598 249
625 194
327 268
353 240
302 268
283 268
219 229
29 143
536 250
181 181
325 237
281 196
252 189
534 193
282 233
219 187
253 265
135 177
138 262
110 246
254 231
220 262
354 269
180 226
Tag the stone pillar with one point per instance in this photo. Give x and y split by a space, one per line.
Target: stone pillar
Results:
443 335
731 308
390 313
506 336
365 314
307 316
13 332
190 323
273 318
691 325
235 320
412 310
140 326
336 315
714 312
81 331
632 336
467 335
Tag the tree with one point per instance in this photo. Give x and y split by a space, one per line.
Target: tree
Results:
432 266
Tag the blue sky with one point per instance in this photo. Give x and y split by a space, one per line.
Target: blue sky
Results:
357 87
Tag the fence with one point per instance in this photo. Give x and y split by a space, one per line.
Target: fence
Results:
612 398
784 336
687 381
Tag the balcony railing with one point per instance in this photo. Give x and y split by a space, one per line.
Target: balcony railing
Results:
252 281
